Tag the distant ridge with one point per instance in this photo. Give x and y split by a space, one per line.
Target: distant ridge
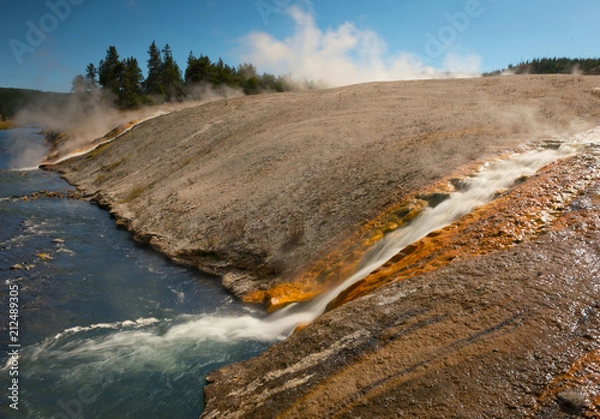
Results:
12 100
563 65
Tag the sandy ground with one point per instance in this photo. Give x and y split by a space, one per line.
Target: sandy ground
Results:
262 188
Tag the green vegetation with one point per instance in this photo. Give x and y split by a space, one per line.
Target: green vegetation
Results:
13 100
92 154
153 85
202 71
121 80
586 66
133 194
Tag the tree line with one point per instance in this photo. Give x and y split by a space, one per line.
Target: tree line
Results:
563 65
123 83
13 100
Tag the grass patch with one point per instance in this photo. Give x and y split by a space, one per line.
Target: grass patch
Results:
134 194
112 166
97 151
107 170
101 178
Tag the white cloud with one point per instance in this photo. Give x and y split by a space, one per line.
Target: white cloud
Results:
343 55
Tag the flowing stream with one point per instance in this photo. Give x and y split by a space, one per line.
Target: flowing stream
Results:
111 329
107 328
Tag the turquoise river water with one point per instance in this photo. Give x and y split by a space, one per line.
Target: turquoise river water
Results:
106 328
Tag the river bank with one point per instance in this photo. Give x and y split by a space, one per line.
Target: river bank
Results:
257 189
8 124
262 190
87 294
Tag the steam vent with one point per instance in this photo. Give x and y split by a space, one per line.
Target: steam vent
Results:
422 249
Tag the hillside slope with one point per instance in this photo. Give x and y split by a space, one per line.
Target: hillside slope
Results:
261 187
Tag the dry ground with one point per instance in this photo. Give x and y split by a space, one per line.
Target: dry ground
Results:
261 188
264 186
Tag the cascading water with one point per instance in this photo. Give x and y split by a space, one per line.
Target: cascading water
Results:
474 192
138 366
107 328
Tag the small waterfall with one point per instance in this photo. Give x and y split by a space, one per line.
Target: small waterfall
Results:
474 192
105 354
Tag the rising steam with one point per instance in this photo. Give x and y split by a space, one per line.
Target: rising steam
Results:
86 118
343 56
83 116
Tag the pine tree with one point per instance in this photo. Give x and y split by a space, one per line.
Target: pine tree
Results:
198 70
130 94
171 76
110 71
249 79
153 84
90 75
122 81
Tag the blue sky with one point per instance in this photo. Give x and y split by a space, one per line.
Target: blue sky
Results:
45 43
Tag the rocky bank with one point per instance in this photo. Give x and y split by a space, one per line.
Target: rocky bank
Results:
274 192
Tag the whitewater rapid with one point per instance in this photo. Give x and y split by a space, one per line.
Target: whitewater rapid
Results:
109 353
159 335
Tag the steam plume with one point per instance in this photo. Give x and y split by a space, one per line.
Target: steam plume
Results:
343 56
86 118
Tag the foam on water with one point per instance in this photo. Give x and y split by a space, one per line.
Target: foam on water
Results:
141 322
24 169
476 191
161 344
